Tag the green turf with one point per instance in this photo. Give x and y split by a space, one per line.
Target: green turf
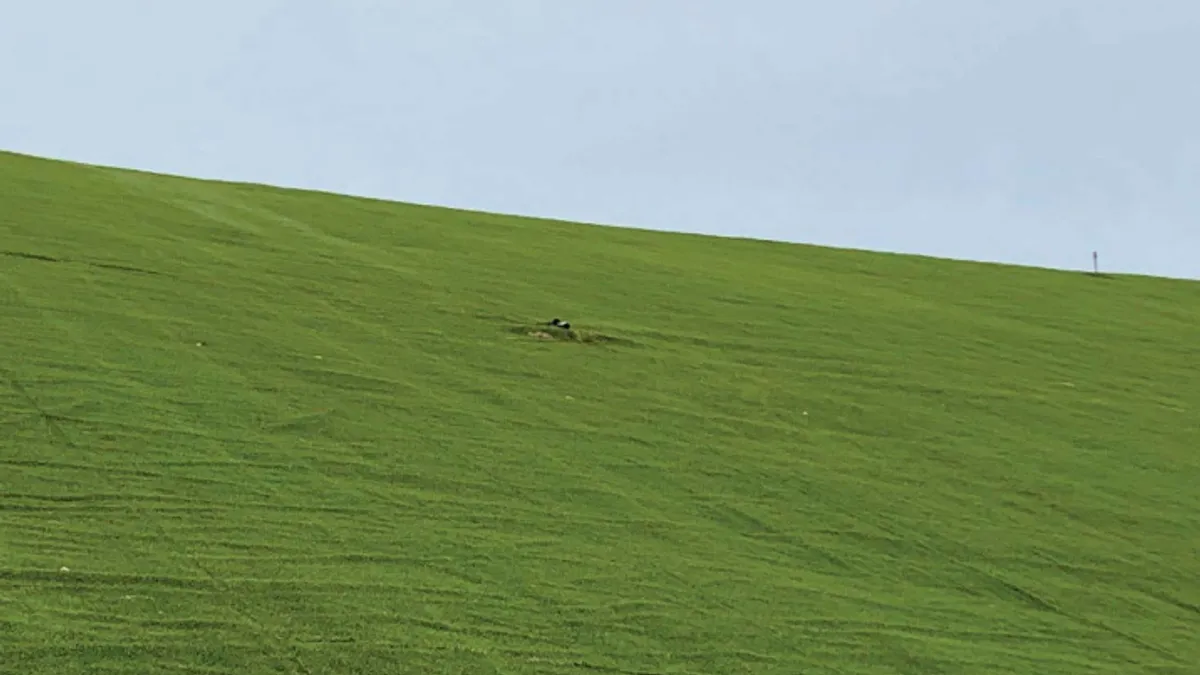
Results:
270 431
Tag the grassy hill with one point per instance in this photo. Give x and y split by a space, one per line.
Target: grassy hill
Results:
250 430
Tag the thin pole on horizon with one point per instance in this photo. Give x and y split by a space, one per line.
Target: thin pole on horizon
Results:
1095 262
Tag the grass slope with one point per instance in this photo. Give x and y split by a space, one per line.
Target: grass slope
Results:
269 431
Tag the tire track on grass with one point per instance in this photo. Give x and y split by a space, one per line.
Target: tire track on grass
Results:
940 548
288 642
48 420
38 257
1027 596
59 436
281 643
285 644
282 647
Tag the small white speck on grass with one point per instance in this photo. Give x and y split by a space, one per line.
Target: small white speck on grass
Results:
64 569
805 413
199 344
318 357
570 398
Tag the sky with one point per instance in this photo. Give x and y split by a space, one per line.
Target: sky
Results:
1022 131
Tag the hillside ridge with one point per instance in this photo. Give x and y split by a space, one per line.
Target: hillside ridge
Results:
571 223
247 429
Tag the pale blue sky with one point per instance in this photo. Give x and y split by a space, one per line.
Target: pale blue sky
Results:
1028 131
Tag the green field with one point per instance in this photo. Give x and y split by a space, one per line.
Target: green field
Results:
251 430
